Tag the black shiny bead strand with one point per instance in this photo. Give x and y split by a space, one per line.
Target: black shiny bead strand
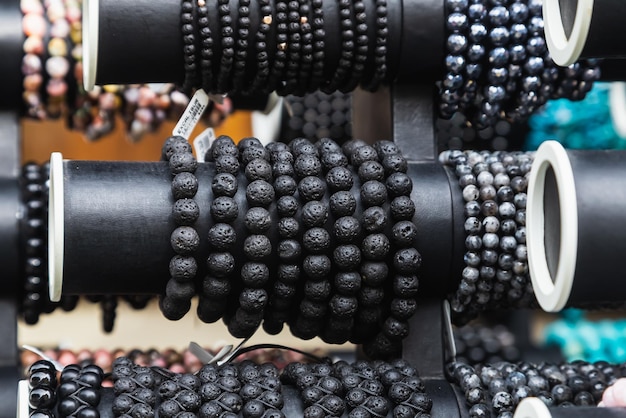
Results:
42 384
79 391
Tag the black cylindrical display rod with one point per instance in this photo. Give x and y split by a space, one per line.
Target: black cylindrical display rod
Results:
110 225
576 218
11 50
584 29
535 408
141 41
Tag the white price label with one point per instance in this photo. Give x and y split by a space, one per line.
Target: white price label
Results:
203 143
192 114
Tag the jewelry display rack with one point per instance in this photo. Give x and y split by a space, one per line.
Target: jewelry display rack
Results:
98 205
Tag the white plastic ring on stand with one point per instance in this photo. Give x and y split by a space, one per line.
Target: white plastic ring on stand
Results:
552 289
617 97
91 21
56 226
532 408
565 50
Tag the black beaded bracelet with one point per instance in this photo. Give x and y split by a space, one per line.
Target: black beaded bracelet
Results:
375 245
222 236
319 45
321 391
227 46
219 391
184 239
42 383
361 46
294 47
261 390
280 54
257 246
380 52
79 391
406 260
347 48
306 53
342 306
262 56
456 44
316 264
284 287
206 44
241 46
365 394
135 388
189 44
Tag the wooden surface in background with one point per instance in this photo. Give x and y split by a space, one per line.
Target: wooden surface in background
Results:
40 138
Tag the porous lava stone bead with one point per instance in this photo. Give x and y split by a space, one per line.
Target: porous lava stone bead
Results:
402 208
221 264
373 193
259 169
285 185
184 185
185 212
174 144
224 184
346 229
260 193
258 220
224 209
287 206
374 219
222 236
257 247
183 162
227 164
399 184
314 214
347 257
184 240
342 203
311 188
339 178
288 227
307 165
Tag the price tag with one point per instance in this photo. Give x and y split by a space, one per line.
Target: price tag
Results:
192 114
203 143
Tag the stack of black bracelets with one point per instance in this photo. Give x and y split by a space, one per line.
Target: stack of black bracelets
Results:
497 65
353 283
495 390
496 273
360 389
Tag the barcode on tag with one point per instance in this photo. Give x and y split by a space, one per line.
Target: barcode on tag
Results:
202 144
192 114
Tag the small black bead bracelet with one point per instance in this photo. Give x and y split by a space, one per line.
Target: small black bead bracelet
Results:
222 237
184 239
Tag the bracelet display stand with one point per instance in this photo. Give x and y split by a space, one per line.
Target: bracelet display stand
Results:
11 42
106 218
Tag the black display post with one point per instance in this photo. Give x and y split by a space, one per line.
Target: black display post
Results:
11 42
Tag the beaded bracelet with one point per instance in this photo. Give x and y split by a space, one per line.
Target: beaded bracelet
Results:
361 47
364 391
306 53
135 388
380 52
321 391
346 256
406 260
257 246
456 43
219 391
222 236
42 382
375 245
188 30
319 45
261 390
289 248
180 396
347 48
227 47
184 239
496 272
241 46
316 264
280 54
262 57
78 391
476 35
294 46
206 43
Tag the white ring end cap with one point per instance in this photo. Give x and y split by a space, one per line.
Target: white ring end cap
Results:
551 292
91 23
566 50
56 225
532 408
